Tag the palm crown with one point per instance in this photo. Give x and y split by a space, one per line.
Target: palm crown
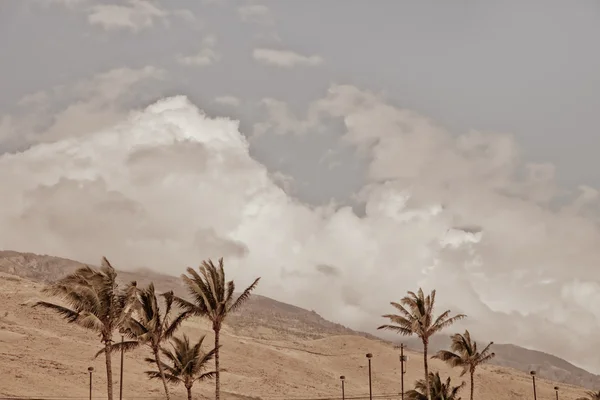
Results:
152 327
212 298
438 390
186 363
416 318
465 355
591 396
93 300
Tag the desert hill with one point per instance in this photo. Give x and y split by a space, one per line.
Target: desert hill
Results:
271 350
508 355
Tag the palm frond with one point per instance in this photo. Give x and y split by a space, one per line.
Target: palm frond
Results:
398 329
128 345
68 314
244 296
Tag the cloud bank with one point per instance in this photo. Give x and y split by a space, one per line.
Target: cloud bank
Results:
168 186
285 58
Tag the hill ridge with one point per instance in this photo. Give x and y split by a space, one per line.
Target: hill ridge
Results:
264 317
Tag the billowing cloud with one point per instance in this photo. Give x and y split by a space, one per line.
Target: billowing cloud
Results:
66 111
255 13
285 58
207 54
168 186
132 15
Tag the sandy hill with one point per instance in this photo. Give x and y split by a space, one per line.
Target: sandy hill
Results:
271 350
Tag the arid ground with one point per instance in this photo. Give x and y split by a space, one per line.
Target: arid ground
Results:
265 357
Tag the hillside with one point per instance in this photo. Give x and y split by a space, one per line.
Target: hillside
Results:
287 334
261 315
508 355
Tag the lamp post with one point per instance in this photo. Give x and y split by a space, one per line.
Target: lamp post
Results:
91 371
343 378
556 390
369 356
533 378
121 377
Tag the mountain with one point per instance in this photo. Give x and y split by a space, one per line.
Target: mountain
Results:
286 327
261 315
509 355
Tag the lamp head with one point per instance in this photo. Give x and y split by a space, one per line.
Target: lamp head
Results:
532 373
369 355
342 377
556 388
90 369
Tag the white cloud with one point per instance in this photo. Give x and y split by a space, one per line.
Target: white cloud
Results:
133 15
256 13
206 56
169 186
285 58
228 100
67 111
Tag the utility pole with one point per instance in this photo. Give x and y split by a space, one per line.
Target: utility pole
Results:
403 360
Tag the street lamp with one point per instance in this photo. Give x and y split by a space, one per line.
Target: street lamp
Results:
556 390
91 371
369 356
343 378
533 378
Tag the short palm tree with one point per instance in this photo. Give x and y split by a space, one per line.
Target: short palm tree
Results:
464 354
416 318
591 396
438 390
186 364
93 300
212 298
151 327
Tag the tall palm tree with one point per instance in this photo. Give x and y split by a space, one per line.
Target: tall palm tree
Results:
438 390
464 354
151 327
416 318
213 299
591 396
186 365
93 300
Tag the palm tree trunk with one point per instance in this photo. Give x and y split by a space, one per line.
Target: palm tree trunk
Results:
426 366
161 371
217 371
189 392
472 384
109 381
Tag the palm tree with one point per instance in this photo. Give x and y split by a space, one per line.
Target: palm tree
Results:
591 396
213 299
464 354
151 327
93 300
416 318
438 390
186 364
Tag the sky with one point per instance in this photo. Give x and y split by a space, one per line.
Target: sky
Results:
343 152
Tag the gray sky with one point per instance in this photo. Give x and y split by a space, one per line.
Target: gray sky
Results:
425 116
